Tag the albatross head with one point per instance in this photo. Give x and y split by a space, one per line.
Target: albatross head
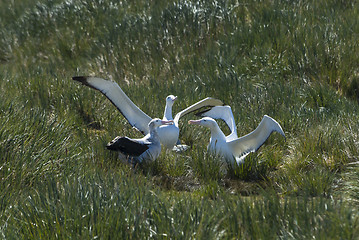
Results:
206 122
156 122
170 99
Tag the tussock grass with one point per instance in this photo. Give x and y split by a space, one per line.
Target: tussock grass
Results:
94 206
292 60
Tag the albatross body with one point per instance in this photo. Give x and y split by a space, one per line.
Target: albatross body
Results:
168 134
147 148
231 147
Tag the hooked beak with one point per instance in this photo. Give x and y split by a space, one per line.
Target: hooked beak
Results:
170 122
196 122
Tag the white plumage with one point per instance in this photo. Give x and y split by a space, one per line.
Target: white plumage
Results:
168 134
231 147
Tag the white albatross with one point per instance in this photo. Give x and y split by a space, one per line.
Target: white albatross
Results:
147 148
231 147
168 134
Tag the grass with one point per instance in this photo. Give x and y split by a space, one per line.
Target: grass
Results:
292 60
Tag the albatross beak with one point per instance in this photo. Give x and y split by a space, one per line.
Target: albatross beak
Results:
170 122
196 122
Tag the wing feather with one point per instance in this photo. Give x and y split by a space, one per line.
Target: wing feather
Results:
254 140
127 146
207 102
135 116
224 113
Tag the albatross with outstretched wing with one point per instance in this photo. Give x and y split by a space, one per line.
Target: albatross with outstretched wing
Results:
168 134
231 147
147 148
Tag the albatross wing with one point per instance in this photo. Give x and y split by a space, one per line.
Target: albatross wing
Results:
207 102
251 142
114 93
127 146
224 113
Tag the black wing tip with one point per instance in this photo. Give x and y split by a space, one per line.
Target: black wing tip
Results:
200 114
222 103
82 79
208 108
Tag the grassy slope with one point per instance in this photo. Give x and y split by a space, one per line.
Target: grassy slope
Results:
292 60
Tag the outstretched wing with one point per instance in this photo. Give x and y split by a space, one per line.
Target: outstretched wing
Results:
114 93
251 142
225 113
127 146
207 102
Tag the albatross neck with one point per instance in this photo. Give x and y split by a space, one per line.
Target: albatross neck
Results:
168 112
216 133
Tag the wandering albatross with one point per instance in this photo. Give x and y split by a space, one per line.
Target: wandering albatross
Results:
147 148
231 147
168 134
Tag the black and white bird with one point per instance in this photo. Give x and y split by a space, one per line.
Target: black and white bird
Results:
231 147
168 134
147 148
